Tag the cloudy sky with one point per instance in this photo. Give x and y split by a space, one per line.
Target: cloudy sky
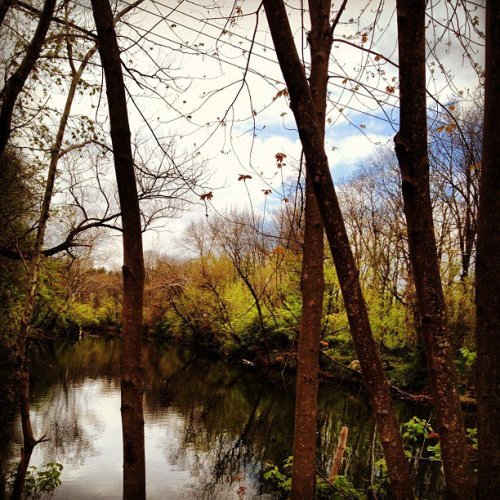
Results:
205 87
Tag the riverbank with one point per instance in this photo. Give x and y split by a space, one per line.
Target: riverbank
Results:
332 368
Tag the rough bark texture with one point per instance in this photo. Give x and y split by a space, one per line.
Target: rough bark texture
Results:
16 81
317 165
312 280
134 473
411 150
488 271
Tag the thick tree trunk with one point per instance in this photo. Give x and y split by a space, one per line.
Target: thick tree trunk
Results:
317 164
312 280
488 270
411 150
134 473
16 82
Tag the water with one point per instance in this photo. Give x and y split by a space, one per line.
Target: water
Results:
210 425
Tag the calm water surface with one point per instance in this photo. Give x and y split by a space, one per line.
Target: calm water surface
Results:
210 425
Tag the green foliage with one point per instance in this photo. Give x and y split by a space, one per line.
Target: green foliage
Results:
419 436
342 488
416 433
461 312
414 430
472 437
382 484
18 186
281 482
40 482
466 360
434 452
241 294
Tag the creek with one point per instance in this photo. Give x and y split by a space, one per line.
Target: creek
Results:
210 425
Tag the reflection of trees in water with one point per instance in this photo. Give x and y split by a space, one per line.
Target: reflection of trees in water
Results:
336 410
234 420
227 416
221 420
69 375
219 456
71 421
7 429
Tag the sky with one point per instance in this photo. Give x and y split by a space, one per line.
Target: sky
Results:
357 125
205 88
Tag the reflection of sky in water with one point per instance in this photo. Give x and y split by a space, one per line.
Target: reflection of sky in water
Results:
209 424
84 424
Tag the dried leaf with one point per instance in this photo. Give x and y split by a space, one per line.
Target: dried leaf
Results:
207 196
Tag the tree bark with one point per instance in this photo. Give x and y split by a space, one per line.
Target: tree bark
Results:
312 279
134 473
317 164
412 153
16 81
488 271
29 441
4 7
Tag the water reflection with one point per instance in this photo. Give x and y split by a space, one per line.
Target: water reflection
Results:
209 425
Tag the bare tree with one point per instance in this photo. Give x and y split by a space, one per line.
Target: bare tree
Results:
317 164
455 157
312 279
412 153
131 369
237 234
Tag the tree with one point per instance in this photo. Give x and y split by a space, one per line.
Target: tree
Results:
134 474
312 278
317 164
488 270
238 237
455 157
36 254
412 153
4 7
9 94
16 81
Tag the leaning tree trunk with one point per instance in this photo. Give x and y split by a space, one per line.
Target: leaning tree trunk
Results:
312 280
317 165
134 473
4 7
16 81
488 270
411 150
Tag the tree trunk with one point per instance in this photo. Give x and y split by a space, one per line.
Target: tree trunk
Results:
488 271
16 81
134 473
317 165
312 279
29 442
4 7
411 150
